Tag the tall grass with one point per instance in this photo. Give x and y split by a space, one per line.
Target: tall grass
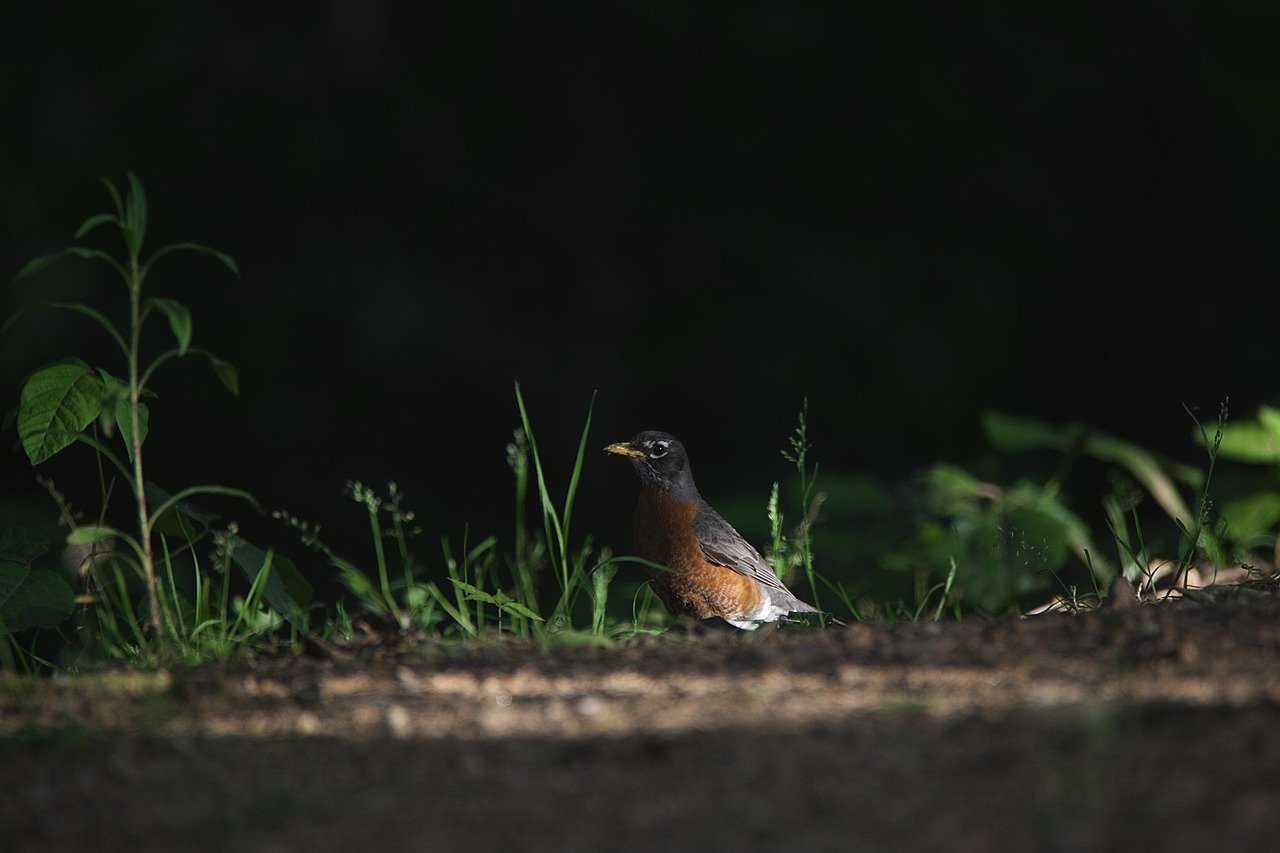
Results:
533 591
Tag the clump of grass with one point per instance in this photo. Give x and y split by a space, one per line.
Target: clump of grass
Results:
469 595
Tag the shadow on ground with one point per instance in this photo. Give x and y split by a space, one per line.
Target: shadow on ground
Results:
1143 729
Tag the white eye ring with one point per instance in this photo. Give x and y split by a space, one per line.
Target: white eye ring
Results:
659 449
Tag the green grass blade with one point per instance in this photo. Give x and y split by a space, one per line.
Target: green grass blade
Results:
577 465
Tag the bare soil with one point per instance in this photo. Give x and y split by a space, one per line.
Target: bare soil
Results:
1154 727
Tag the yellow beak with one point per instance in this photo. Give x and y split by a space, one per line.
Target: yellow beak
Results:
623 449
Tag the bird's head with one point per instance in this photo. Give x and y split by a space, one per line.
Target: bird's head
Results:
660 460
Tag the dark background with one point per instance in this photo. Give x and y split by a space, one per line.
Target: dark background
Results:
908 213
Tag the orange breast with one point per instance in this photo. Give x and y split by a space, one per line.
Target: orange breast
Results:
694 587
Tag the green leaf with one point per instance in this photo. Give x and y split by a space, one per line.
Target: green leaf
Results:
79 309
1270 418
114 391
473 593
179 320
115 197
135 215
93 222
1251 516
32 598
1017 435
57 402
226 371
226 260
76 251
191 491
89 534
359 585
1247 441
499 599
953 490
1155 475
176 519
36 264
519 609
286 590
125 423
1256 442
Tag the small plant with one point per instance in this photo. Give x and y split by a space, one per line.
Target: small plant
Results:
796 553
33 595
70 402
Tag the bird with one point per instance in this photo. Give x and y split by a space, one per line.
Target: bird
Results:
712 572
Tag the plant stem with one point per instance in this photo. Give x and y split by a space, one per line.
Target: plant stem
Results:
383 579
135 441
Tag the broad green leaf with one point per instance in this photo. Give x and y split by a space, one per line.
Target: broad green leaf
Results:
285 589
1251 516
1016 435
1147 469
1270 418
1257 441
179 320
1074 533
226 260
57 402
32 598
22 546
91 313
1248 441
89 534
93 222
953 490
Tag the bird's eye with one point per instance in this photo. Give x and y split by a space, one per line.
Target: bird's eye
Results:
659 449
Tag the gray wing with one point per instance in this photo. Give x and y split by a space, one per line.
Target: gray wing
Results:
724 546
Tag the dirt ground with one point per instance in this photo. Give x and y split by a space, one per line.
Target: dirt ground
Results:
1154 727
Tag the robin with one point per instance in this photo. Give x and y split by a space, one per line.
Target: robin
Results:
714 572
